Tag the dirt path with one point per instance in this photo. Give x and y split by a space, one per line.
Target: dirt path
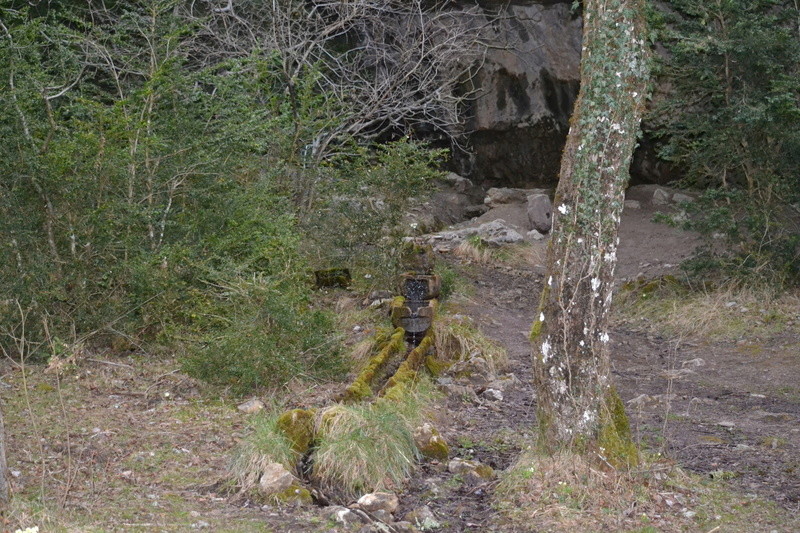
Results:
725 410
488 431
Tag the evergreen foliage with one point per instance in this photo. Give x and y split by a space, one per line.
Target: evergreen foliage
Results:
155 194
730 120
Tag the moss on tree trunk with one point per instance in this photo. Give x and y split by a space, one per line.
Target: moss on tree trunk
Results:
570 336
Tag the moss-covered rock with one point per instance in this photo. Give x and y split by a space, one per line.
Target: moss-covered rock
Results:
332 277
471 471
430 443
294 495
298 426
361 387
436 366
407 371
418 258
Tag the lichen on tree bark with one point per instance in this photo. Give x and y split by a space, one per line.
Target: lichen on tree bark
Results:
570 336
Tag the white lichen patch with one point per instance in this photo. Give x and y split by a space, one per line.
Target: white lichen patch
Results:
546 350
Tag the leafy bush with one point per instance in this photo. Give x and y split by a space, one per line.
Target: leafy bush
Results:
271 338
362 197
160 194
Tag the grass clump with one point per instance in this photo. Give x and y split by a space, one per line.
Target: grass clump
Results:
368 447
565 490
473 249
569 491
457 339
724 313
267 444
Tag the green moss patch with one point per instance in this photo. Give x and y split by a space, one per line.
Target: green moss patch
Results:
361 387
298 426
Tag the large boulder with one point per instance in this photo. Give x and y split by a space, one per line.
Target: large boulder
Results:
540 212
528 82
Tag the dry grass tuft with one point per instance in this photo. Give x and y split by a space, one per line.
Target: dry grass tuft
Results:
363 350
723 314
475 251
267 444
572 492
457 339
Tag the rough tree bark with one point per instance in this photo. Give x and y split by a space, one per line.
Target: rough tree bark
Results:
5 489
576 403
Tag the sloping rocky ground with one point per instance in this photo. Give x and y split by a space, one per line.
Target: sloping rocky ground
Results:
125 444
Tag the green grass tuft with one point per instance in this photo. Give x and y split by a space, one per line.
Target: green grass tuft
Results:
370 447
267 444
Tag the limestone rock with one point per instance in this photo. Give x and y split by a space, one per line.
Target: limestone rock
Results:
430 443
660 197
251 406
275 479
495 233
540 212
423 518
376 501
504 383
460 392
474 370
459 183
514 216
507 236
493 395
534 235
497 196
345 516
472 471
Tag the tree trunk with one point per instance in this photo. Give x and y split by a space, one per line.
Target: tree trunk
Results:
576 403
5 489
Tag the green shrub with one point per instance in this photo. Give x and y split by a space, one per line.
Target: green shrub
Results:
361 199
272 336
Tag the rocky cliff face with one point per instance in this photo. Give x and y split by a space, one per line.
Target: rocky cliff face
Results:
526 88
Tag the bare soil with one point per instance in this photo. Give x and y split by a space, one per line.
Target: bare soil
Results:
128 443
